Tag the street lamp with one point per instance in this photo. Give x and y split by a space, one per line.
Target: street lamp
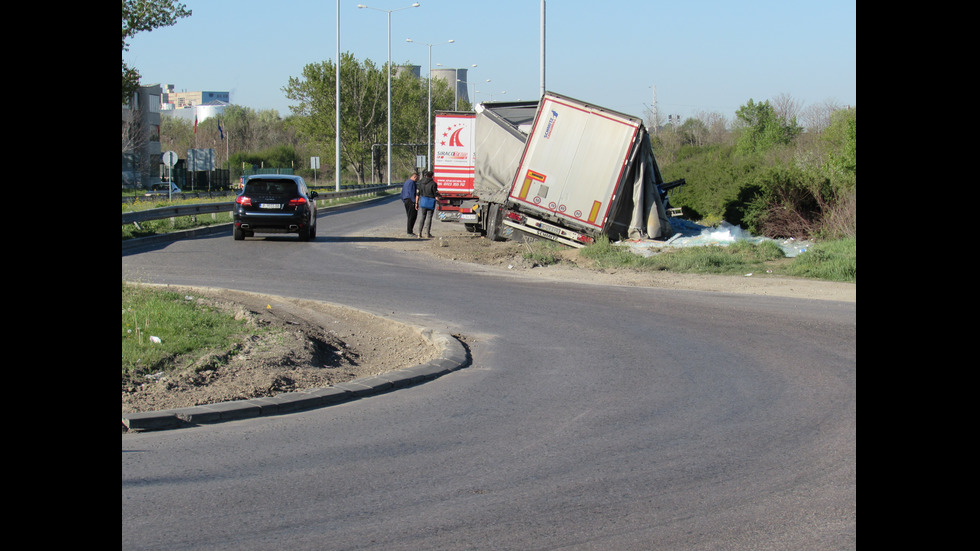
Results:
362 6
428 120
475 91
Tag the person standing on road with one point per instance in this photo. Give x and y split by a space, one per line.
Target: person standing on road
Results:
409 191
426 202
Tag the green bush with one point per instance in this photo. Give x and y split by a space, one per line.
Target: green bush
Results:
833 260
774 181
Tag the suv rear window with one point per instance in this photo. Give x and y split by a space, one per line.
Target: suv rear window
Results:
271 186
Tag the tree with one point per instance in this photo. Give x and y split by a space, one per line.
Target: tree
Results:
412 96
694 131
763 128
786 108
841 137
362 107
144 15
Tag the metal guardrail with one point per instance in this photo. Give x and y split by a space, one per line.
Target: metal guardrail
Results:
211 208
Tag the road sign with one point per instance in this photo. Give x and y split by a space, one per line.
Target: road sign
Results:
170 159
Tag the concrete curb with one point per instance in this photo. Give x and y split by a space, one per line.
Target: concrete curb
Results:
453 356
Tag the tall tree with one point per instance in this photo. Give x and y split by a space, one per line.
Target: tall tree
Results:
144 15
362 107
763 128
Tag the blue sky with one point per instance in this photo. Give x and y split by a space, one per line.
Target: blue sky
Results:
702 55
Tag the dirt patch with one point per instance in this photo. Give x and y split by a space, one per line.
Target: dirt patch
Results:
313 344
296 345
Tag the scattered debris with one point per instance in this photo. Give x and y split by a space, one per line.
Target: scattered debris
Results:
690 234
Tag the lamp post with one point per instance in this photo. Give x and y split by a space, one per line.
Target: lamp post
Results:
475 91
362 6
428 120
337 105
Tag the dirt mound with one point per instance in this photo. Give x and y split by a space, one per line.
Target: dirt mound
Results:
303 345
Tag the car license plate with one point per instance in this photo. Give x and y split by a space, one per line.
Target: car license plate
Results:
467 218
270 205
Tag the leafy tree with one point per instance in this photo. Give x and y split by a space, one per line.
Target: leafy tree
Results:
363 106
411 96
694 131
763 128
144 15
841 137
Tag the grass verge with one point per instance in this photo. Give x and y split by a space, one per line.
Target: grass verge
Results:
832 260
158 326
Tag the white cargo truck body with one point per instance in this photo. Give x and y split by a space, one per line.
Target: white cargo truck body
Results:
584 171
575 160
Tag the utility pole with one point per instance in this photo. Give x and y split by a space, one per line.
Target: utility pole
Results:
542 48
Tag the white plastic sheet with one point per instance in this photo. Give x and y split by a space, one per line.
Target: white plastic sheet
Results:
689 234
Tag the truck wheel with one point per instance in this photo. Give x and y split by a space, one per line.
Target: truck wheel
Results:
493 223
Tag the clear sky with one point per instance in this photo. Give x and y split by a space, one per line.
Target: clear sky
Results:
701 55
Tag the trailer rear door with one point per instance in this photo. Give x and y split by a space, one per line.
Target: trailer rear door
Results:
453 166
575 161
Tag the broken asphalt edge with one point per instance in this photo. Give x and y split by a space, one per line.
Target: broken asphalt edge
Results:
452 356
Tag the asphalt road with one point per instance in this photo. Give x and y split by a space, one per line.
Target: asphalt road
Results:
592 417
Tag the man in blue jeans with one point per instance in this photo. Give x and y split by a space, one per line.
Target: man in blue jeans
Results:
408 197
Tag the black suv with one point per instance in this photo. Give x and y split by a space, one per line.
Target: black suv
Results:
275 203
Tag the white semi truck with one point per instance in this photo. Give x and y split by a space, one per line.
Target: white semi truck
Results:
564 170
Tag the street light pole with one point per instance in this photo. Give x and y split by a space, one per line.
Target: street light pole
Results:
415 5
337 104
428 120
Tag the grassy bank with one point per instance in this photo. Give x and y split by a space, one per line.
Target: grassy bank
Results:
831 260
160 325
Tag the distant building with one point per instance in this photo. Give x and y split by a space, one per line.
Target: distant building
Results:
141 138
202 112
180 100
454 78
190 105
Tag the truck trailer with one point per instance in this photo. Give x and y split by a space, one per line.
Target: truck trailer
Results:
564 170
453 164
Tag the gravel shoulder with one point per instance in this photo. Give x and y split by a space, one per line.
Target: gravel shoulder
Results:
308 344
453 244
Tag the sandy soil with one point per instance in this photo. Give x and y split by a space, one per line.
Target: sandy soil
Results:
312 344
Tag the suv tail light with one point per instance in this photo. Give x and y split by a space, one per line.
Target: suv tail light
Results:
244 201
297 201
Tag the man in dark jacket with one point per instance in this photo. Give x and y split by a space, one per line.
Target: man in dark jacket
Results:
426 202
409 191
